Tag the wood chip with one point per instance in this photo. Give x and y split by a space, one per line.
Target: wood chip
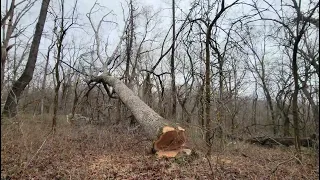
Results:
167 128
168 153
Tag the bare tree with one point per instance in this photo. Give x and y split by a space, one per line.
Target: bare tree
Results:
13 20
296 33
209 25
45 73
60 32
96 29
259 68
129 43
10 108
299 32
17 62
284 99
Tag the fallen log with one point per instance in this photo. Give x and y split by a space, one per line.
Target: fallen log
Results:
169 138
285 141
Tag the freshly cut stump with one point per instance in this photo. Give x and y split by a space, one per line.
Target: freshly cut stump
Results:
171 142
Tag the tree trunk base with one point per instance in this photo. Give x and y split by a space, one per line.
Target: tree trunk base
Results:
171 142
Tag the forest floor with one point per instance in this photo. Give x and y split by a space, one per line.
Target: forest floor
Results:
118 152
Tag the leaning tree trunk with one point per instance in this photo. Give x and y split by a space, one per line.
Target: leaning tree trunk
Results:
169 138
10 107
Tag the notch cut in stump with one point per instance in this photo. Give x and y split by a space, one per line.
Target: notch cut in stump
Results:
171 142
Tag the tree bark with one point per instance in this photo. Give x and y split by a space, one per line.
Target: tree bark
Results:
254 106
295 109
147 117
270 105
10 108
173 76
207 91
210 25
170 139
130 33
314 107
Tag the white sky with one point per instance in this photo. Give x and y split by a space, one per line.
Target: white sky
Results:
111 32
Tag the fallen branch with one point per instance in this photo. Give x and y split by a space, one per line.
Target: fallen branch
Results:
276 168
28 163
285 141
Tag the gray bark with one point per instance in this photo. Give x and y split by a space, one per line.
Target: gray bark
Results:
147 117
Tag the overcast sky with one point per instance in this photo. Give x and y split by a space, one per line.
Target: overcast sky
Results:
83 34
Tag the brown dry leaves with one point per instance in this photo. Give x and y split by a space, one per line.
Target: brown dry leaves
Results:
113 153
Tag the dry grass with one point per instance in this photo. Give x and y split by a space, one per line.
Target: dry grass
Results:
117 152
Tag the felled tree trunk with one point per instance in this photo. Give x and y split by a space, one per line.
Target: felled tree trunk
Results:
169 138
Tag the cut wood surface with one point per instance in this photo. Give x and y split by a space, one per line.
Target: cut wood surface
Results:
170 142
168 136
170 139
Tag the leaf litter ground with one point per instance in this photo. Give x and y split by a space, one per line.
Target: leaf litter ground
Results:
118 152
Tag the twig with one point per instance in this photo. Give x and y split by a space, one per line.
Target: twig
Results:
207 158
298 160
28 163
276 168
83 73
